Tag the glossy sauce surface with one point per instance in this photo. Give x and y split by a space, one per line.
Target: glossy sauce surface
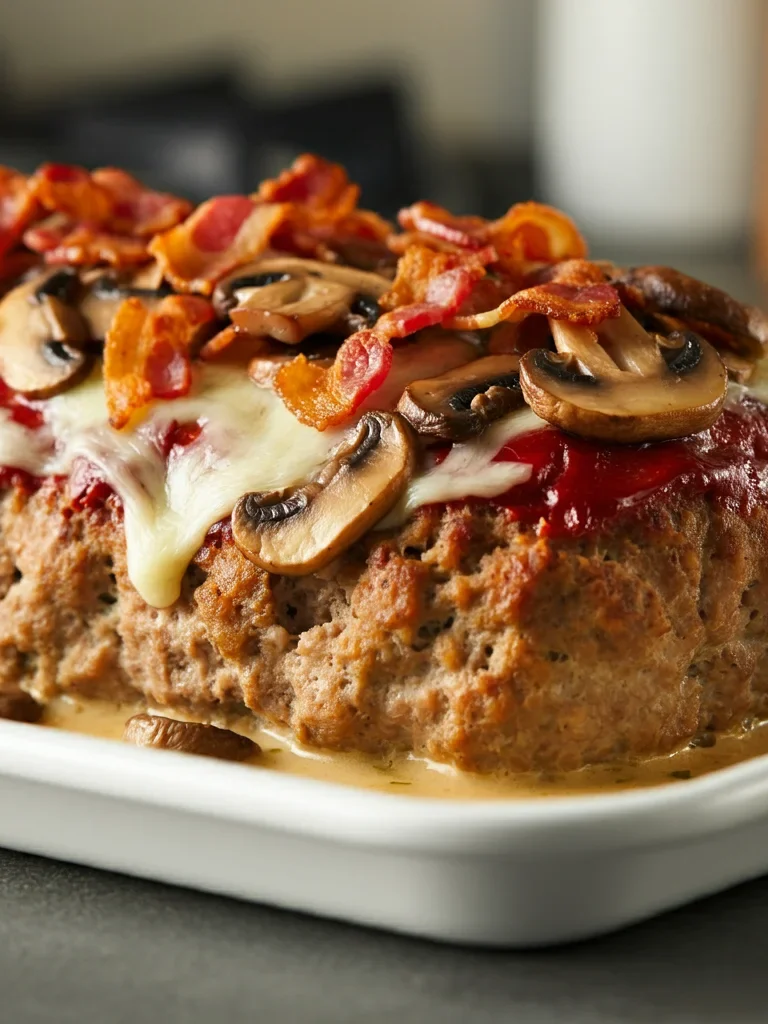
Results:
418 778
580 486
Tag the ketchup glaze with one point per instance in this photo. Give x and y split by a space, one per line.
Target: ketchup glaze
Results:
576 486
579 486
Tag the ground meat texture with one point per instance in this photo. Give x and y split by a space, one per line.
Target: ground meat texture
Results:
462 636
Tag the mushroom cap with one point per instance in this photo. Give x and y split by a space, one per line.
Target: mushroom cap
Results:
655 289
297 532
644 390
460 404
42 337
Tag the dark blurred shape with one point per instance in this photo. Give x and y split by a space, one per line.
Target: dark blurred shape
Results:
201 135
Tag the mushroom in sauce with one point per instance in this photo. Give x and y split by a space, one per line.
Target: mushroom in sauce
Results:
188 738
461 403
624 385
288 298
42 336
296 532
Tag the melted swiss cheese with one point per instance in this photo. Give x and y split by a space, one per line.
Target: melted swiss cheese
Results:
249 442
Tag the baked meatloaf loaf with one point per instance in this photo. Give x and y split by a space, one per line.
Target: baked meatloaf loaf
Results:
450 489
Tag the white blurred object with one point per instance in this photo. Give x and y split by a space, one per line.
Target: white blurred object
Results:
647 114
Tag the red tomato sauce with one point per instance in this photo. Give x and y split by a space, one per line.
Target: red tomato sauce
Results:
580 486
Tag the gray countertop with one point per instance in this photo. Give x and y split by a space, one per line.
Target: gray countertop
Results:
84 947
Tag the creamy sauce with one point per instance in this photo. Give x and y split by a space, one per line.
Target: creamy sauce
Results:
248 441
416 777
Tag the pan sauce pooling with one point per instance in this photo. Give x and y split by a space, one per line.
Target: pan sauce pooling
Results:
419 778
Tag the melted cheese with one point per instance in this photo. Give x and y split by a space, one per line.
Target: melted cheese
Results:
249 442
469 469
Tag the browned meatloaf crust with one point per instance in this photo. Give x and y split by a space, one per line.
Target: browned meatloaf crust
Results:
462 636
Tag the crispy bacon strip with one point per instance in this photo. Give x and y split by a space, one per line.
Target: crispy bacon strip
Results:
534 231
136 210
220 235
108 198
528 231
61 241
588 306
147 355
315 184
419 267
322 397
18 207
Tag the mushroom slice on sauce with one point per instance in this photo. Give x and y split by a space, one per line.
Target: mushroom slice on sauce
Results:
664 290
105 290
42 336
624 385
461 403
188 738
288 298
295 532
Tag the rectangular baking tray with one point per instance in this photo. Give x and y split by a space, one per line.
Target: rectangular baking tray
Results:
516 873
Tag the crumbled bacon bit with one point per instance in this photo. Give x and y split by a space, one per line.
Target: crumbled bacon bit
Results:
220 235
588 306
18 207
322 397
147 354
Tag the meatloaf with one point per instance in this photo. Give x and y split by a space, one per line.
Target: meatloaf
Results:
449 489
462 636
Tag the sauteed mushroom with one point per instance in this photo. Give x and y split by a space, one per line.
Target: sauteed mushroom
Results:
288 298
188 738
296 532
624 385
664 290
461 403
105 290
41 336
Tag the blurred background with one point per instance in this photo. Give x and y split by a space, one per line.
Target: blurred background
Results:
642 118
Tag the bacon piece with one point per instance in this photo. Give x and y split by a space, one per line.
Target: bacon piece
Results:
315 184
108 198
588 306
322 397
528 231
534 231
234 346
147 355
419 267
137 210
81 245
18 207
321 209
433 220
221 234
72 191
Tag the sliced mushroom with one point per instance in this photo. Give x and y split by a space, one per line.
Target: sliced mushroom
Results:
280 268
461 403
291 310
41 337
188 738
664 290
624 385
288 298
18 706
296 532
105 290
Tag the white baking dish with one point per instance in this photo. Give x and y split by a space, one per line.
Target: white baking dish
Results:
509 873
